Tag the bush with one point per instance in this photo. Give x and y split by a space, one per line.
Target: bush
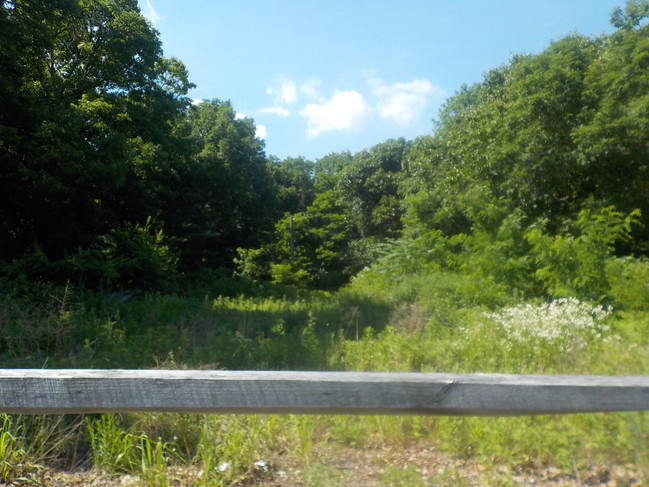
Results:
629 282
135 257
575 263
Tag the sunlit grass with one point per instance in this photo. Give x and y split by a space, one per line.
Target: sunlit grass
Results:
355 329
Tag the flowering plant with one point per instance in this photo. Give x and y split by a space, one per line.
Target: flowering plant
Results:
567 323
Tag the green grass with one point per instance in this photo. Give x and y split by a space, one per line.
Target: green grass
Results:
364 327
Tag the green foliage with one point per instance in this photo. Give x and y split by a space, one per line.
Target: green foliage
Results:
296 185
433 321
630 17
135 257
560 337
252 263
32 269
14 460
99 135
334 233
368 188
542 138
115 449
103 136
612 139
497 252
28 444
309 247
628 278
506 254
154 458
31 333
225 199
89 76
289 274
577 264
139 256
490 246
229 447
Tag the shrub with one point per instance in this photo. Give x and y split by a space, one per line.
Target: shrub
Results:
575 263
134 257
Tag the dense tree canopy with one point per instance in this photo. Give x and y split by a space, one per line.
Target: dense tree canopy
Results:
226 196
86 114
97 134
112 177
548 134
536 177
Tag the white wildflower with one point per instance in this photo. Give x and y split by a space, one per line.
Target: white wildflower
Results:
567 323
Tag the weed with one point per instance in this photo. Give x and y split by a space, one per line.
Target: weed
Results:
14 461
230 446
118 449
28 443
564 323
418 328
153 461
113 448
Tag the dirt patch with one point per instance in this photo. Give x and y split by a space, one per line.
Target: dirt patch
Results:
413 465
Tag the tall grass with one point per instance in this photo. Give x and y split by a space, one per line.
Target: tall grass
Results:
29 443
415 324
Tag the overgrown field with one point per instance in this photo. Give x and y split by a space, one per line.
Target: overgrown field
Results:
436 322
140 229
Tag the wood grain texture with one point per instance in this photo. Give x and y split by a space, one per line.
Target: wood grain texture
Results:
93 391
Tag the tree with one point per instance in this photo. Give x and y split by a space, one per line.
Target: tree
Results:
369 188
613 139
356 204
92 83
294 177
512 140
630 18
226 197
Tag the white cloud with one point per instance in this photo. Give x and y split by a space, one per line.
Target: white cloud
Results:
260 131
149 11
400 103
276 110
239 116
346 110
403 102
197 101
310 88
284 91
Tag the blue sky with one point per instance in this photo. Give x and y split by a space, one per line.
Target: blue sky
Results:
321 76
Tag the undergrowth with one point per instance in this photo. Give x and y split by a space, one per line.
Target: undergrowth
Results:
416 325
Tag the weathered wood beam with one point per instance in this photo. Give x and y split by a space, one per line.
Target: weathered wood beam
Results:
31 391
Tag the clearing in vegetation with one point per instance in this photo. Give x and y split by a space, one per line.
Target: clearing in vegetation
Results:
140 230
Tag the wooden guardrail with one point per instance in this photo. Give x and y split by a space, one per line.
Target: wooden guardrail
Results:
30 391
